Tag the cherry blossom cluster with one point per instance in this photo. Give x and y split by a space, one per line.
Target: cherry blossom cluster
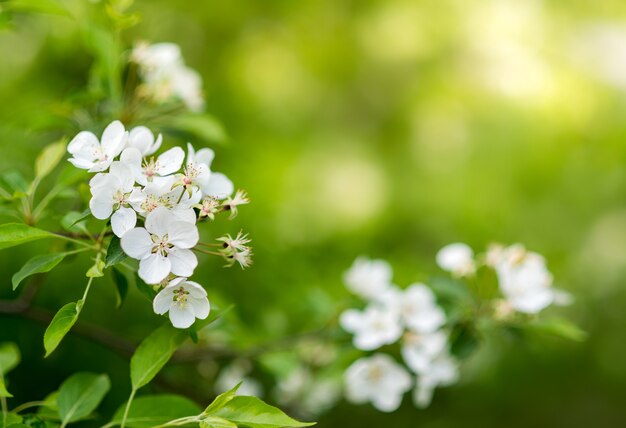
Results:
523 276
166 77
154 204
411 317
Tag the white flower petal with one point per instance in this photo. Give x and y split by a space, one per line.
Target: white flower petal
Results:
163 301
183 262
158 221
204 156
101 207
81 163
123 220
182 234
219 186
136 243
170 161
114 139
201 307
154 268
181 317
84 141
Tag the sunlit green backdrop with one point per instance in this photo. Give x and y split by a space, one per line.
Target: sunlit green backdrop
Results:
382 127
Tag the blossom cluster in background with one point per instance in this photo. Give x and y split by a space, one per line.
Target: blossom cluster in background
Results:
523 276
166 77
154 205
411 317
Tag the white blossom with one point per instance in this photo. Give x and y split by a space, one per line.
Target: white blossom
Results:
163 246
442 371
419 350
160 194
97 155
368 278
416 306
110 192
184 300
148 170
372 328
198 173
166 76
457 258
523 278
142 139
234 373
379 380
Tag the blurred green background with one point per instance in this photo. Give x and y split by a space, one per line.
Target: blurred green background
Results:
380 127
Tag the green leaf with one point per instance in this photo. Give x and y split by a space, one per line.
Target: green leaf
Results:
80 395
49 158
115 254
153 353
152 410
559 327
12 420
74 221
60 325
254 413
121 286
464 341
199 126
3 389
50 407
12 234
221 400
97 270
38 264
216 422
9 357
144 288
41 6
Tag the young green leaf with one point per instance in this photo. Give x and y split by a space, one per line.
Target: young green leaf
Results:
97 270
115 254
50 407
38 264
12 420
559 327
3 389
9 357
73 220
200 126
80 395
153 353
216 422
144 288
153 410
49 158
121 286
60 325
12 234
254 413
221 400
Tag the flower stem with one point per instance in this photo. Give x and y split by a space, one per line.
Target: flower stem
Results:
210 245
28 405
211 253
127 409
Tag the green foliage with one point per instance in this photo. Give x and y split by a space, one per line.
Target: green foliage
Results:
49 158
12 234
559 327
151 410
254 413
60 325
121 286
80 395
199 127
115 254
38 264
9 359
221 400
153 353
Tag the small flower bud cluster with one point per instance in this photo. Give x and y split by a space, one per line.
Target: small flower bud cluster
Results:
410 316
165 75
235 250
523 277
150 202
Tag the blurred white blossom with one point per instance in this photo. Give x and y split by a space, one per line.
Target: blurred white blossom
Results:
377 379
416 307
368 278
372 328
442 371
457 258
